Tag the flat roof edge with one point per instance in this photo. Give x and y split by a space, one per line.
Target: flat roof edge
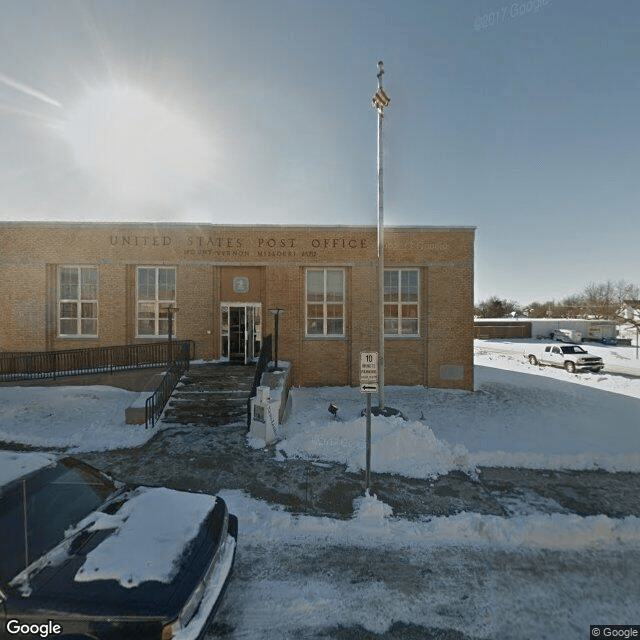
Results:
124 223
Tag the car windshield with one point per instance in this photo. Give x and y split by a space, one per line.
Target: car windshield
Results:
37 510
572 348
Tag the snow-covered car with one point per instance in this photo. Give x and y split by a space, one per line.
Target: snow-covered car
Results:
85 557
570 356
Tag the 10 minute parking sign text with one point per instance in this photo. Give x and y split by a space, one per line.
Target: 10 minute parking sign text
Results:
368 372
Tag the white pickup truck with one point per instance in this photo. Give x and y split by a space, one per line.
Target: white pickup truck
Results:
570 356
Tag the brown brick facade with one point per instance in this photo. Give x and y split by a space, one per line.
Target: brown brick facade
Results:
238 267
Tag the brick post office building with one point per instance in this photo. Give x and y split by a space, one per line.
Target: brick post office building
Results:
70 285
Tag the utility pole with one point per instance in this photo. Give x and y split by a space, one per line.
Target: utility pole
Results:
380 101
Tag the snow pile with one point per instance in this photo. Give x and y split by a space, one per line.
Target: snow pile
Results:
152 529
538 531
397 446
373 525
518 416
369 513
368 508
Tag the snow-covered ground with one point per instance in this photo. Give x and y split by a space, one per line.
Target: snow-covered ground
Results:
537 576
528 576
520 416
483 576
617 359
76 418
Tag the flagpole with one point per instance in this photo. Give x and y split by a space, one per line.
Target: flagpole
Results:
380 101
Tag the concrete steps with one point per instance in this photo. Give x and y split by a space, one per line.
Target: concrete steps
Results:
211 395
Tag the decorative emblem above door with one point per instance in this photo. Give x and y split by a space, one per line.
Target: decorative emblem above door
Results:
241 284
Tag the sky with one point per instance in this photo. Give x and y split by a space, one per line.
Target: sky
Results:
517 118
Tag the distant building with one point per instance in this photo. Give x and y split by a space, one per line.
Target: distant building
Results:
631 310
73 285
543 327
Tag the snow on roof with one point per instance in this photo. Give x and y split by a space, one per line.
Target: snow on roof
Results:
152 529
15 464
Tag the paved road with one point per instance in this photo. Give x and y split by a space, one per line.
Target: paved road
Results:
319 591
292 592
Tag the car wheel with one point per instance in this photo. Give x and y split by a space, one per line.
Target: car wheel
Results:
570 366
533 360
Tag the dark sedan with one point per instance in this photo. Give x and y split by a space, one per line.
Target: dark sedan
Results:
83 556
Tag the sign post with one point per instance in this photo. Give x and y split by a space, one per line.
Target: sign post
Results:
368 385
367 475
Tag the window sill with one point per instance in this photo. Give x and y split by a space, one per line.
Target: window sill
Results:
323 337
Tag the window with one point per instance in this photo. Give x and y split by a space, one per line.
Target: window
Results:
156 293
401 302
78 301
325 302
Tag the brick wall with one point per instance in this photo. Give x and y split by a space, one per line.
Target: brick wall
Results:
23 307
274 259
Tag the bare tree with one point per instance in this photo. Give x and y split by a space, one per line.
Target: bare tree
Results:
541 309
495 307
607 299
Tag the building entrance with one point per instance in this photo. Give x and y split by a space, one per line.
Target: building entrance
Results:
241 331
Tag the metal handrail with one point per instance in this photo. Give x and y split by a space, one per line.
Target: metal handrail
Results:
154 404
69 362
263 361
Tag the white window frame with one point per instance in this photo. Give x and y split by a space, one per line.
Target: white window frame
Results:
325 303
79 301
400 304
157 303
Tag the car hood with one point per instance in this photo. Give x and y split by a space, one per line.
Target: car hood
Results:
143 559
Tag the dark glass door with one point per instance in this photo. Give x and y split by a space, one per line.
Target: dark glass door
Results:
237 333
241 331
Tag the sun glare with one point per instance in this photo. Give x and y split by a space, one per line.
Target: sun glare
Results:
141 150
